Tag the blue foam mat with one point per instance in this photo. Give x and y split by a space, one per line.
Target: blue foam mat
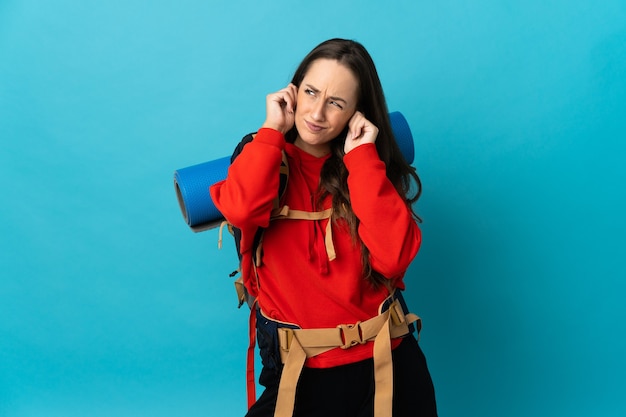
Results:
192 183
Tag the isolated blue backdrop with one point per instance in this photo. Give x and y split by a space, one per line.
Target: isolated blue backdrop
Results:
111 306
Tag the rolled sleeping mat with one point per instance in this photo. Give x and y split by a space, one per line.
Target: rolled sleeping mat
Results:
192 183
404 138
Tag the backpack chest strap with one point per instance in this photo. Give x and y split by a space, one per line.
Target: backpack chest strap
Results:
285 212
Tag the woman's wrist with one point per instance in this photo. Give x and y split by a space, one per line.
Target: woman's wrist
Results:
273 126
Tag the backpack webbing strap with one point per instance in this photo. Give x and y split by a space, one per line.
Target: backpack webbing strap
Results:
296 345
250 379
220 233
285 212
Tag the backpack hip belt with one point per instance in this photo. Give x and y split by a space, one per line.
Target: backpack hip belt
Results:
296 345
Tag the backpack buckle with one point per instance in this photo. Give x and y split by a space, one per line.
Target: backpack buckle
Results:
285 337
351 335
396 313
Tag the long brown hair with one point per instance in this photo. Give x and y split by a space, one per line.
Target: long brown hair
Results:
372 103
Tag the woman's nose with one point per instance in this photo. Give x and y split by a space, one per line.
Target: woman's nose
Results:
317 113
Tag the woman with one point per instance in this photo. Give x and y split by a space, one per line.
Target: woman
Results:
336 248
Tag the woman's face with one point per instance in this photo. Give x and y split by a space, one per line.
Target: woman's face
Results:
327 99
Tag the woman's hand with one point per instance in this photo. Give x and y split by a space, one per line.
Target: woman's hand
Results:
360 131
280 109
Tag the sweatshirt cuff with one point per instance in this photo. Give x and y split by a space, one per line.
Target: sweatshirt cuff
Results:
361 157
270 137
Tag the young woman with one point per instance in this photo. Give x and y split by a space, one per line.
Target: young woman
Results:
335 251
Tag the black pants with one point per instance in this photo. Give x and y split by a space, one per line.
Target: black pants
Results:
348 390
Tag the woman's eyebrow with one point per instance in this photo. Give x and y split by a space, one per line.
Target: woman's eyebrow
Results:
315 90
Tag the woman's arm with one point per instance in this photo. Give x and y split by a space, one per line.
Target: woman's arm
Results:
386 227
245 196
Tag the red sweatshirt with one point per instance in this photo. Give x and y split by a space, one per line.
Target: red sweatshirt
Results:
297 283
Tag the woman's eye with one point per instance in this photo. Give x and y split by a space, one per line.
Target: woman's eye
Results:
336 104
309 92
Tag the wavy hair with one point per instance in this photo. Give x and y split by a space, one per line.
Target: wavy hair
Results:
371 102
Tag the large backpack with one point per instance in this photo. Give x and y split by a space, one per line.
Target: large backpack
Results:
201 214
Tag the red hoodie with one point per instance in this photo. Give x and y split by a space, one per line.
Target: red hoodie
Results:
296 281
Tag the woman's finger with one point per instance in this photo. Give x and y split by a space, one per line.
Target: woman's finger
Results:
280 109
360 131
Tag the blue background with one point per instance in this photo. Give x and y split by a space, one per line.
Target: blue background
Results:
110 305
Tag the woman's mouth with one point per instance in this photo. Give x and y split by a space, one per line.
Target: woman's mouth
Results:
313 127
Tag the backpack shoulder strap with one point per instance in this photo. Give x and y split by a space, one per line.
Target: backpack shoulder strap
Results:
256 245
246 139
